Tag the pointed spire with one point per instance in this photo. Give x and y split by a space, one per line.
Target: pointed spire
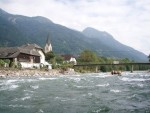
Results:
48 46
48 39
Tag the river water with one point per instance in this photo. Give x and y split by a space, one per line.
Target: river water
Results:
86 93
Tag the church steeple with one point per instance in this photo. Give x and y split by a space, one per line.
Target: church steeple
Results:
48 39
48 46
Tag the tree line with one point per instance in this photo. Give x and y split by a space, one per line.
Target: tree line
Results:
87 56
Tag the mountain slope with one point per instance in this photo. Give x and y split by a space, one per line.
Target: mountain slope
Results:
16 30
111 47
36 29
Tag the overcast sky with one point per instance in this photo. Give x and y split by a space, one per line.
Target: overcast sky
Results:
127 20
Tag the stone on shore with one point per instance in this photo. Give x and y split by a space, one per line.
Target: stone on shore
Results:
33 72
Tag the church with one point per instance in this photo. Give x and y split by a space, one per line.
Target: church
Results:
48 46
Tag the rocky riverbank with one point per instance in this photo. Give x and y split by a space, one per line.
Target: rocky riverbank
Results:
34 72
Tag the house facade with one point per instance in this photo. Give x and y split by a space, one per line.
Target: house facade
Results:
29 55
28 60
69 59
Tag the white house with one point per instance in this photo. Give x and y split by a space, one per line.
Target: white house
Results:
29 55
69 59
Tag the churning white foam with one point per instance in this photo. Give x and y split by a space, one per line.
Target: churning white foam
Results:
31 80
140 85
83 86
125 79
77 75
47 78
25 98
115 91
41 111
35 87
103 85
10 82
76 79
145 75
132 96
64 99
16 106
135 79
9 87
90 94
103 75
13 86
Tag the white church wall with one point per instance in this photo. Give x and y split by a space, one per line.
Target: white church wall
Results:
42 57
47 48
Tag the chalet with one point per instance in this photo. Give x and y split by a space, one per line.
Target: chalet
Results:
29 55
69 59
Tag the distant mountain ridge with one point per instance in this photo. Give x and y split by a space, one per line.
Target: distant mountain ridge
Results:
117 49
16 30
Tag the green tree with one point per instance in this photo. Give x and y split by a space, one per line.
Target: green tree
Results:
2 63
126 60
49 56
101 60
88 56
103 68
59 59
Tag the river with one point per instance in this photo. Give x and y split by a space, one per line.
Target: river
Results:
85 93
